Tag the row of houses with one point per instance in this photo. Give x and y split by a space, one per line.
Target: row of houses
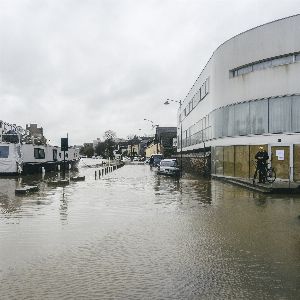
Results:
164 142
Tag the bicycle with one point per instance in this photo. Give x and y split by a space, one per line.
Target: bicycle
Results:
268 174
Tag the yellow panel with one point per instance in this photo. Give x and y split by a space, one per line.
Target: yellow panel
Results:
241 161
296 162
282 167
219 160
229 161
212 160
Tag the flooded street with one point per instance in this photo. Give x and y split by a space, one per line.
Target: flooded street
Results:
136 235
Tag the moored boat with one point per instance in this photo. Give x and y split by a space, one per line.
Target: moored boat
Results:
23 153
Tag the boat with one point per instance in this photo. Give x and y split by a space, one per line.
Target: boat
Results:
24 152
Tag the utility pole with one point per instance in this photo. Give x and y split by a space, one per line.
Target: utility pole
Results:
167 103
64 147
156 134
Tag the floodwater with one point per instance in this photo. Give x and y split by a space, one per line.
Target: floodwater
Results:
136 235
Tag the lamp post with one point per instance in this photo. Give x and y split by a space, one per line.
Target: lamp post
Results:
167 102
154 125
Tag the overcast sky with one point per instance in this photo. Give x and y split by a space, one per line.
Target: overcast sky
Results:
86 66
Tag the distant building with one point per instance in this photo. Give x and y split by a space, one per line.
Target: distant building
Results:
143 145
133 147
96 142
119 140
152 148
36 134
163 142
164 136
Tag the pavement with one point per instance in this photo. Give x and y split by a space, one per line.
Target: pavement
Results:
277 187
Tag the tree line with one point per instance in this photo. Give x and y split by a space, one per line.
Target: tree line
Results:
104 149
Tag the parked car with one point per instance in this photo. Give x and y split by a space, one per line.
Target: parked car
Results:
169 167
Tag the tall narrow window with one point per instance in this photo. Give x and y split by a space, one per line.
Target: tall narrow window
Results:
4 151
39 153
54 155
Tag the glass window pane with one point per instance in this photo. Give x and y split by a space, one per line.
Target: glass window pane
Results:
241 119
36 153
280 115
259 117
262 65
4 151
244 70
228 119
206 86
282 61
296 114
217 121
203 91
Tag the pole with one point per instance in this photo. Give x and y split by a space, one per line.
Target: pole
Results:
157 144
64 166
180 140
180 146
167 102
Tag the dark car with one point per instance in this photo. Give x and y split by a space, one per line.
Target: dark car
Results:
156 160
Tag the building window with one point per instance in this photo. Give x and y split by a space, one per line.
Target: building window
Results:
195 96
206 86
4 151
54 155
280 111
273 115
39 153
265 64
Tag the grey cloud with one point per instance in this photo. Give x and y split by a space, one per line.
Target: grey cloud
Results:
83 67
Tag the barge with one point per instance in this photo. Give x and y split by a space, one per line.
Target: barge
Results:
22 152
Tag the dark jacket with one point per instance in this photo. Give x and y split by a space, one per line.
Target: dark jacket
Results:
262 157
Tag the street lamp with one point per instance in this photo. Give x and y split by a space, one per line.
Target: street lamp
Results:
154 125
167 102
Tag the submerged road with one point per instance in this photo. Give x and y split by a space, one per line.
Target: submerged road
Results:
136 235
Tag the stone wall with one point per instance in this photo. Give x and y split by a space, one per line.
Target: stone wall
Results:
196 163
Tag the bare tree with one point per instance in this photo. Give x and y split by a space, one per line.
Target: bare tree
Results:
109 135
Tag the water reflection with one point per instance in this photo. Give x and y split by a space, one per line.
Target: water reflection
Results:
63 208
11 203
135 235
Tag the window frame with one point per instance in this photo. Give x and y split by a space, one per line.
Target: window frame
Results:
39 153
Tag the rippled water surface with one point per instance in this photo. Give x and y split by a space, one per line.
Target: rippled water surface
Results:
135 235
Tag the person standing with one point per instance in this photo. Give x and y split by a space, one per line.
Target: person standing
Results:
261 165
151 161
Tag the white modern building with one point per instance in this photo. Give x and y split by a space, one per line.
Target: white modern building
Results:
248 95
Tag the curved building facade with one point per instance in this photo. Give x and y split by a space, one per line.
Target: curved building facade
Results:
248 95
